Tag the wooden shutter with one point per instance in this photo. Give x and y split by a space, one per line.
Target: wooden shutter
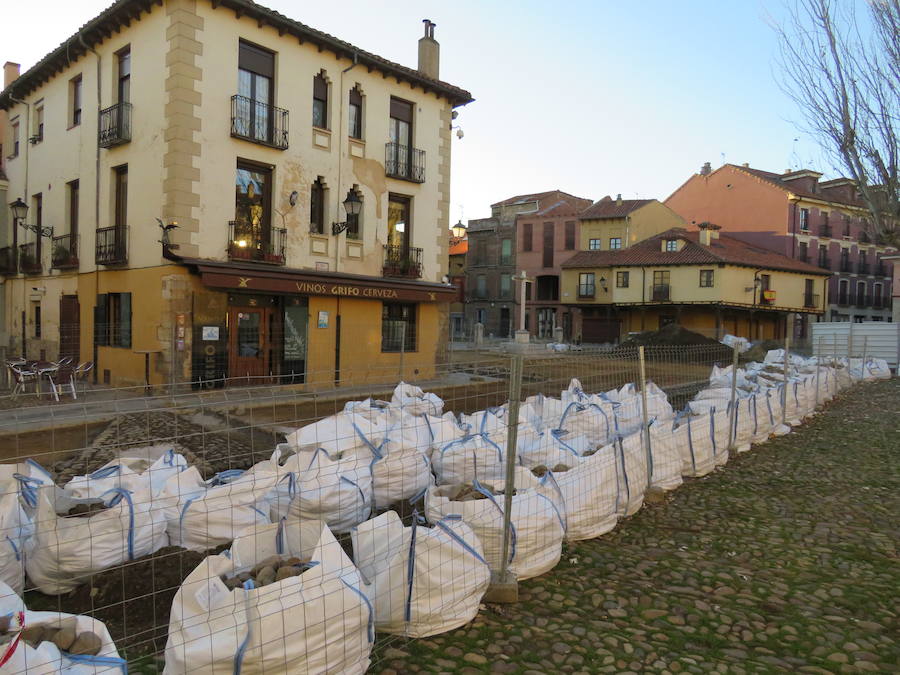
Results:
101 327
256 60
320 88
570 236
401 110
355 97
124 319
548 245
527 237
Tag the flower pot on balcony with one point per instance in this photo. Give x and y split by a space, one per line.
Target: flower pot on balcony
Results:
241 253
273 258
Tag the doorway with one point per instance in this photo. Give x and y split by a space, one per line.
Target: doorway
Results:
249 343
69 327
504 322
546 322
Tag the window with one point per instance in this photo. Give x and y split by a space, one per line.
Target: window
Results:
593 244
320 101
876 292
863 263
765 282
621 279
120 215
354 221
75 101
481 286
480 316
527 239
586 285
399 226
400 132
15 140
252 114
843 290
317 207
803 254
398 327
804 220
253 190
73 209
37 320
38 135
112 320
355 113
528 290
706 278
570 236
615 243
505 286
506 251
860 292
671 245
123 90
661 278
845 260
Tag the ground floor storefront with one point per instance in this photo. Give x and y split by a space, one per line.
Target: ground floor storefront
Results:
612 323
214 324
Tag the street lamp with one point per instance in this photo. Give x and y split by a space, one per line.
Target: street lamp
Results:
353 206
459 230
19 210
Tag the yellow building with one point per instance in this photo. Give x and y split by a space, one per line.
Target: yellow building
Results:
232 194
612 224
709 284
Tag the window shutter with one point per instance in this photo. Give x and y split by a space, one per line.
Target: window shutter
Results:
256 60
101 328
355 97
320 88
401 110
124 319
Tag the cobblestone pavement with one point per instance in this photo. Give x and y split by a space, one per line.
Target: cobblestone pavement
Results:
786 559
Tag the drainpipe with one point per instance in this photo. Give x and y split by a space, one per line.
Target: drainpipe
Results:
340 125
96 203
23 315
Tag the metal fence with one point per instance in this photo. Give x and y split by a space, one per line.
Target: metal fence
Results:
118 505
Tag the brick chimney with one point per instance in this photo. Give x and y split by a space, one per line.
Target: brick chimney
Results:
706 169
619 199
429 52
708 232
10 73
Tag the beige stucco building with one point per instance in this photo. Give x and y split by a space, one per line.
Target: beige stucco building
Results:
611 224
191 157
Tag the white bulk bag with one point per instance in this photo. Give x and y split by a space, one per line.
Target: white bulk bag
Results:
317 622
411 399
15 527
762 418
878 369
665 458
631 472
424 432
773 403
483 422
550 448
421 581
473 457
338 433
335 490
590 491
63 552
18 658
694 438
744 424
589 420
720 433
204 514
399 472
537 516
136 469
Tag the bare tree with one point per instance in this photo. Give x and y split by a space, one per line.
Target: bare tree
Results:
844 76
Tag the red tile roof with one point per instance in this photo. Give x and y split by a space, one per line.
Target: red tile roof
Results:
556 195
459 247
610 208
826 194
725 249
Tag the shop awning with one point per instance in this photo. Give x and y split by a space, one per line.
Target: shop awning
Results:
264 279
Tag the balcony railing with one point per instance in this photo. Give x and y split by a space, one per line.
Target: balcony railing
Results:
660 292
404 162
878 302
115 125
64 254
586 290
825 231
29 259
111 247
845 266
861 301
881 270
8 260
259 122
254 242
862 268
810 300
400 261
825 263
843 300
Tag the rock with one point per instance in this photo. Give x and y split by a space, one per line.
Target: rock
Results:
287 572
837 657
617 613
86 643
393 653
867 666
64 638
34 634
472 657
265 576
272 561
675 619
653 613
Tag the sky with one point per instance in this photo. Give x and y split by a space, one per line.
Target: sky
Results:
592 97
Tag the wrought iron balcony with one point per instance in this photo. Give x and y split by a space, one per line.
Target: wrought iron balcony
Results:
115 125
259 122
825 263
862 268
111 247
825 231
881 270
661 292
8 260
843 300
810 300
257 243
30 259
401 261
586 290
64 254
845 266
404 162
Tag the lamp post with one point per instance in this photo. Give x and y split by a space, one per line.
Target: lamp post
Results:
19 211
522 335
459 230
353 206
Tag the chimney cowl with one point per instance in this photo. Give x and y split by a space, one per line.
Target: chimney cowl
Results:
619 199
706 169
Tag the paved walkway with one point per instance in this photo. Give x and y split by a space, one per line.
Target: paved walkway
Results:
784 560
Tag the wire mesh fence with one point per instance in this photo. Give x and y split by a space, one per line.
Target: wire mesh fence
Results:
293 529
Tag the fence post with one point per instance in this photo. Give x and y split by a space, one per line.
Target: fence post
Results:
646 422
850 344
820 354
402 350
865 349
732 407
504 586
784 388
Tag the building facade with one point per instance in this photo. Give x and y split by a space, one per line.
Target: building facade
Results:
192 157
525 232
459 247
823 223
709 284
612 224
